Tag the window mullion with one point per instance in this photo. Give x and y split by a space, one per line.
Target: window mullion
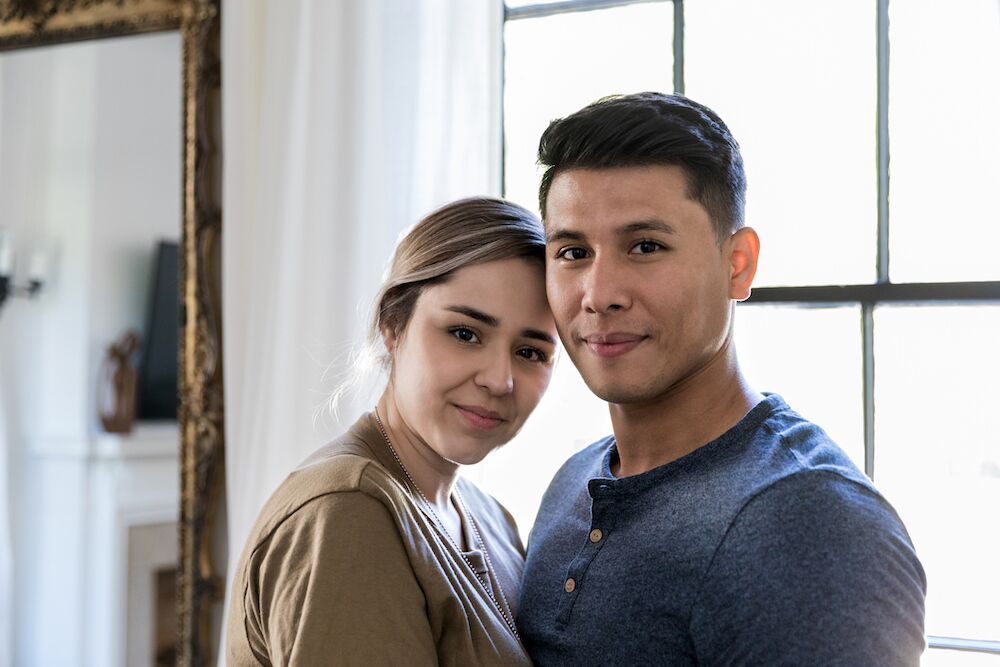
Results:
882 139
868 383
679 46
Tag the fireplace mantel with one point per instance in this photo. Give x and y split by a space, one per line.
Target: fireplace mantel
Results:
148 440
135 496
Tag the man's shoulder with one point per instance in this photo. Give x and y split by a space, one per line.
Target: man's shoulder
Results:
786 444
824 568
572 476
586 463
594 453
819 495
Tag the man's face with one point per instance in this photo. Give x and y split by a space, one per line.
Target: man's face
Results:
638 283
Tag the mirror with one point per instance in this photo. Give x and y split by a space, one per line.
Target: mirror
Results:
108 149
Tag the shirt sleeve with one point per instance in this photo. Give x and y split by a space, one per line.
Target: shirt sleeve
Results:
815 570
333 586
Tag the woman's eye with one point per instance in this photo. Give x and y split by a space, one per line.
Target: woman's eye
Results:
533 354
646 247
465 334
573 254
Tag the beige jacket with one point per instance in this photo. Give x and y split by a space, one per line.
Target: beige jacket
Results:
343 567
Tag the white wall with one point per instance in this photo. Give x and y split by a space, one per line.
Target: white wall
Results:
90 168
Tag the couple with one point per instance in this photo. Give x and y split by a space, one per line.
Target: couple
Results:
714 527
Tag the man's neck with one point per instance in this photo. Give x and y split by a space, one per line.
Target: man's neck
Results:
689 415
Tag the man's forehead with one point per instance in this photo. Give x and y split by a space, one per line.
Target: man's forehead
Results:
621 199
651 225
621 186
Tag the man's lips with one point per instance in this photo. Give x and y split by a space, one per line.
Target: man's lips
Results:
612 344
480 417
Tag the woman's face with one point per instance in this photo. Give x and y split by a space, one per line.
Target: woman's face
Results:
474 359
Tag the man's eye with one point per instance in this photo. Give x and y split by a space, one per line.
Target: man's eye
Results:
646 247
572 254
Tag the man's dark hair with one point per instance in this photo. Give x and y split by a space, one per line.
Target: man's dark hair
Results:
647 129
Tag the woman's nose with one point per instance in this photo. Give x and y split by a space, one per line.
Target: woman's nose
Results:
495 375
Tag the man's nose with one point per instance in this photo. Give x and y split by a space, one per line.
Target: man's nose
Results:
605 287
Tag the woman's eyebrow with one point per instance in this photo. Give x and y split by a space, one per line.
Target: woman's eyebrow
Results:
475 314
491 321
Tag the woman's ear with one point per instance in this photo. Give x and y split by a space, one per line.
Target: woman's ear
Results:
389 339
744 249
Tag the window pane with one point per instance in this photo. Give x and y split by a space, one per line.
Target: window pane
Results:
944 658
558 64
525 3
944 87
567 419
812 358
801 102
937 454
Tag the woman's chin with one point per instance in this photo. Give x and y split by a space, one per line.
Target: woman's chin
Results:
470 457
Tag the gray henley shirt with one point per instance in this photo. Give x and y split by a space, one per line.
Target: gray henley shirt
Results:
766 546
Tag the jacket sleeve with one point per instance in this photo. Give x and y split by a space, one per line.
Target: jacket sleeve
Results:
818 570
333 586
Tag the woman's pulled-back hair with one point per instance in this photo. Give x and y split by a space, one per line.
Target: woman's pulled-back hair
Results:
462 233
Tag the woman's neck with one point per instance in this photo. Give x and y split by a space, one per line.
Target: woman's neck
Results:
433 475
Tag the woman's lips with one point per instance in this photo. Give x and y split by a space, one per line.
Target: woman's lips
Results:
612 344
479 417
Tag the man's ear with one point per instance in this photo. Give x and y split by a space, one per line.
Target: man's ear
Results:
744 248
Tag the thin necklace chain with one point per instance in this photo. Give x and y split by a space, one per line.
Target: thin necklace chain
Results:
440 526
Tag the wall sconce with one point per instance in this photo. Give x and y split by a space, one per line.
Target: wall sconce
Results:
36 272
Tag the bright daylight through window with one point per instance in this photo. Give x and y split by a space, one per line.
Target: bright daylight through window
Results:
872 172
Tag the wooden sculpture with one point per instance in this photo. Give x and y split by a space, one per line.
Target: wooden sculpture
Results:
117 384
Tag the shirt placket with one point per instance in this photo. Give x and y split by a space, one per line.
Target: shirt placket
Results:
603 507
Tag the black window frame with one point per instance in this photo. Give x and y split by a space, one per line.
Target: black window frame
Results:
868 296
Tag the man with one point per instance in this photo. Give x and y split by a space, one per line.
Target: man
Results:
716 526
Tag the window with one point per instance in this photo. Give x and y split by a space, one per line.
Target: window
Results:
876 310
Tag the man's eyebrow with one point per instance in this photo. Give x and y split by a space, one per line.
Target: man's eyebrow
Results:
563 235
475 314
651 225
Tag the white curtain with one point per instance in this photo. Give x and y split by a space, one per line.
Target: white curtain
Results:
6 541
6 545
344 122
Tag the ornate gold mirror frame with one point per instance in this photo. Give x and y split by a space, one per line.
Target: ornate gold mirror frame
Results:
29 23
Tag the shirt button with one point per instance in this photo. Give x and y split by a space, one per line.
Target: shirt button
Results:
596 535
570 585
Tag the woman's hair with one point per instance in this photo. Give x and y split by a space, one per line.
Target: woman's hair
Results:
462 233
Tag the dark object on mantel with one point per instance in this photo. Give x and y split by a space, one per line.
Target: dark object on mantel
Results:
158 367
116 385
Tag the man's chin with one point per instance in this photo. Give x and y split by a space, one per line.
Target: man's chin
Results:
618 393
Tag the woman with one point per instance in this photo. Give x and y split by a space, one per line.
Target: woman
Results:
375 552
